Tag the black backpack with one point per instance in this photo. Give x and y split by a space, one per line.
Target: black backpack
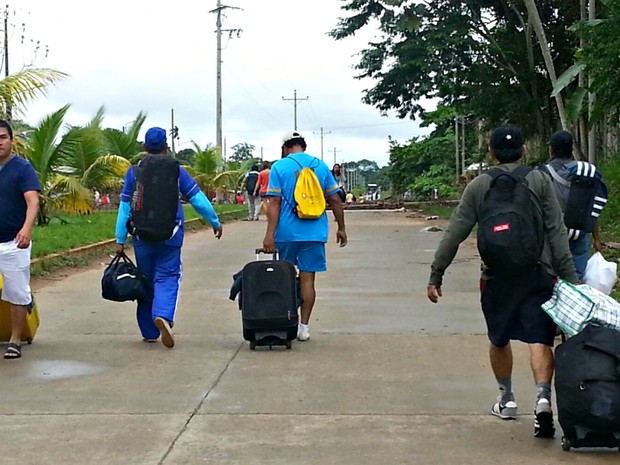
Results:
510 234
250 182
155 198
581 192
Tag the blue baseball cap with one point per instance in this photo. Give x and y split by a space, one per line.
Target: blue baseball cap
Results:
155 139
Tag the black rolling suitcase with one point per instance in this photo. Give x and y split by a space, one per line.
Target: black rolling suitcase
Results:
587 386
269 302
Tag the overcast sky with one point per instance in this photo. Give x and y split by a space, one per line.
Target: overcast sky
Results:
154 56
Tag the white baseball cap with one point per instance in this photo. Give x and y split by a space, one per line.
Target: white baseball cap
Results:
290 136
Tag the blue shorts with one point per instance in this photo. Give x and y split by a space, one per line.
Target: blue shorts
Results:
306 256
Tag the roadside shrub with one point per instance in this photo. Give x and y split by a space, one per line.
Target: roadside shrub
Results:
436 177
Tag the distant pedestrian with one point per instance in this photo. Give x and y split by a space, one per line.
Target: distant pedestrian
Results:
562 168
248 186
341 180
159 259
261 186
512 296
349 198
19 191
300 241
240 198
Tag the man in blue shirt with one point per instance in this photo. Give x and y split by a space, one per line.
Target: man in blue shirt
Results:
19 205
300 241
161 261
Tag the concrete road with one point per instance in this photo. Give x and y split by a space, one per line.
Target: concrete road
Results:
387 377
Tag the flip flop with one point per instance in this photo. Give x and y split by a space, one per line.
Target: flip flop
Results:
13 351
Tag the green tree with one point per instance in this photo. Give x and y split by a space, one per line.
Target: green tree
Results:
242 152
600 59
209 170
125 144
90 160
70 168
45 154
186 156
477 57
17 89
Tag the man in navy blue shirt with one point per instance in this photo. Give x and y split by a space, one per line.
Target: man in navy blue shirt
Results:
19 205
161 261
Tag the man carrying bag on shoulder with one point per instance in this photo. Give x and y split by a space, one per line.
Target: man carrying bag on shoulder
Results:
523 244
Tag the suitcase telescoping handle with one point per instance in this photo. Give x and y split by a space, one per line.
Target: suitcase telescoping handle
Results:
276 254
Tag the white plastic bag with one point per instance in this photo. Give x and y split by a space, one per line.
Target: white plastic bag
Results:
601 274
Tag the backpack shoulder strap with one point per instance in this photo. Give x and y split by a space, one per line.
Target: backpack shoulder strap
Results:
556 177
298 164
495 172
519 173
522 171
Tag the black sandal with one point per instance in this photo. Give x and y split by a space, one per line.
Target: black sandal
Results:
13 351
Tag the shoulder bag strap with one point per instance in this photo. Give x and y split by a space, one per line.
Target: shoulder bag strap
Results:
556 177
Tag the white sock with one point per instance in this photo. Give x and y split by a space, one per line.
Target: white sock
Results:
303 327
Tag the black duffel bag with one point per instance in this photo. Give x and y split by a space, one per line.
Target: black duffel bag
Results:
122 281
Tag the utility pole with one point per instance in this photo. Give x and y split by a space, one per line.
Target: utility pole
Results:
322 132
335 154
174 132
295 99
218 105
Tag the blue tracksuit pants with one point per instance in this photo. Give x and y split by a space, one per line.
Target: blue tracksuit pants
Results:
161 263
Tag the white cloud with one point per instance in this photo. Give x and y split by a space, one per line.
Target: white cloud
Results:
152 56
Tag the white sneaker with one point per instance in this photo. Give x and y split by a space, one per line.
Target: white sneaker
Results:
167 338
303 334
505 412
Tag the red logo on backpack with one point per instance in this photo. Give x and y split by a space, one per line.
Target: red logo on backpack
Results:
501 227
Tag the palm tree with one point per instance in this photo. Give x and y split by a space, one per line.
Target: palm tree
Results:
209 171
17 89
68 170
45 155
91 162
125 144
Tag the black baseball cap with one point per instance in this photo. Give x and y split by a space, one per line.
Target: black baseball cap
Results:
506 137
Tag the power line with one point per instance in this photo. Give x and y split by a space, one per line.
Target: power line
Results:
295 99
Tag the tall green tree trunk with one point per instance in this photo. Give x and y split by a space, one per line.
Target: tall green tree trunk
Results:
591 98
534 17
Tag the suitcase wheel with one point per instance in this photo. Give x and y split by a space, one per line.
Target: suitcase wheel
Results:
288 344
252 345
566 445
29 340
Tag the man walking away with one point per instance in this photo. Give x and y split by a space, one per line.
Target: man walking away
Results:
512 295
562 168
249 185
159 260
19 205
300 241
262 184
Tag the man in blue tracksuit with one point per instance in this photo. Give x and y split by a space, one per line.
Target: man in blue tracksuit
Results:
161 261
